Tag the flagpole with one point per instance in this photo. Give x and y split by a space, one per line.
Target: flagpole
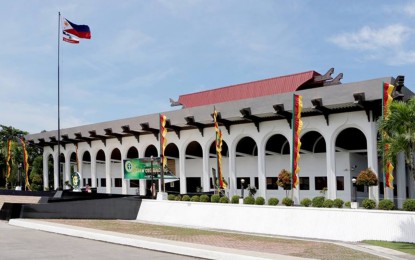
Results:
59 120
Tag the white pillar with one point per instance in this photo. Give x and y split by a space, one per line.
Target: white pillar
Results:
331 167
56 172
108 172
94 171
232 172
400 177
206 172
372 159
45 172
182 166
68 171
261 170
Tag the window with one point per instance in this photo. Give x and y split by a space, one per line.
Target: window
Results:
340 182
134 183
320 183
256 180
247 182
103 182
304 183
89 182
272 183
118 182
193 183
84 181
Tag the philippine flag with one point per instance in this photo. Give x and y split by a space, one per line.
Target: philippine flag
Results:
81 31
70 38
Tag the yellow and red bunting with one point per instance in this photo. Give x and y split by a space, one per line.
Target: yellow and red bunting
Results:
387 99
163 140
9 144
298 125
25 163
388 166
218 142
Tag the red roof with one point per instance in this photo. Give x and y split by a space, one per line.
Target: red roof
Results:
265 87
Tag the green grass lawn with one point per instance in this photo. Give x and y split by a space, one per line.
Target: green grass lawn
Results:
408 248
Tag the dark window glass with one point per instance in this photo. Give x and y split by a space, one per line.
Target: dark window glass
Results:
193 183
118 182
304 183
89 182
320 183
256 180
272 183
103 182
134 183
340 182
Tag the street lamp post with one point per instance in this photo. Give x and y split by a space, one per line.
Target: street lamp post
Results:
242 188
354 204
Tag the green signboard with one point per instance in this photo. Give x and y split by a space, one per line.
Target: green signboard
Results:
144 169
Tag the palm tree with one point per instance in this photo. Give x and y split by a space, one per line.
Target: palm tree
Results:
399 132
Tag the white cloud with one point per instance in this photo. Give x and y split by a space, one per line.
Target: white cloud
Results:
371 39
409 9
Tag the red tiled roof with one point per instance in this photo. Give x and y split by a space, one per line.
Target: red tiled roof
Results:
265 87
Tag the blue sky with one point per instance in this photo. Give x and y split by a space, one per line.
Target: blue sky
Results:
144 52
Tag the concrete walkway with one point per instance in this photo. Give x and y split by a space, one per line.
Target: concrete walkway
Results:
183 248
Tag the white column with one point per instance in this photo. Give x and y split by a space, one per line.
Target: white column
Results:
45 172
67 171
56 172
206 172
261 170
372 159
108 172
182 166
232 172
94 171
400 177
331 167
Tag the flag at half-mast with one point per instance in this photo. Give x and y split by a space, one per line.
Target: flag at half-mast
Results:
72 32
297 126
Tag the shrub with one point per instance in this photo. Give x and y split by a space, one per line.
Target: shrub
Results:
178 198
273 201
171 197
260 200
306 202
224 200
195 198
287 201
369 204
284 179
235 199
409 205
386 205
328 203
249 200
338 203
215 198
204 198
348 204
367 178
318 201
186 198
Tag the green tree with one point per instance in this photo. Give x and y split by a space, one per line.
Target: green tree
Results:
16 151
36 173
400 132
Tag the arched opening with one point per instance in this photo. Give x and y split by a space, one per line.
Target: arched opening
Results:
351 158
194 169
246 163
213 162
277 157
86 168
172 154
132 153
115 171
50 172
100 171
151 150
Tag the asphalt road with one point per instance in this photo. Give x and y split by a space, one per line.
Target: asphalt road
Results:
21 243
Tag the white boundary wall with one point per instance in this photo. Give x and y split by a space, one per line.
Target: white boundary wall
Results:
318 223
